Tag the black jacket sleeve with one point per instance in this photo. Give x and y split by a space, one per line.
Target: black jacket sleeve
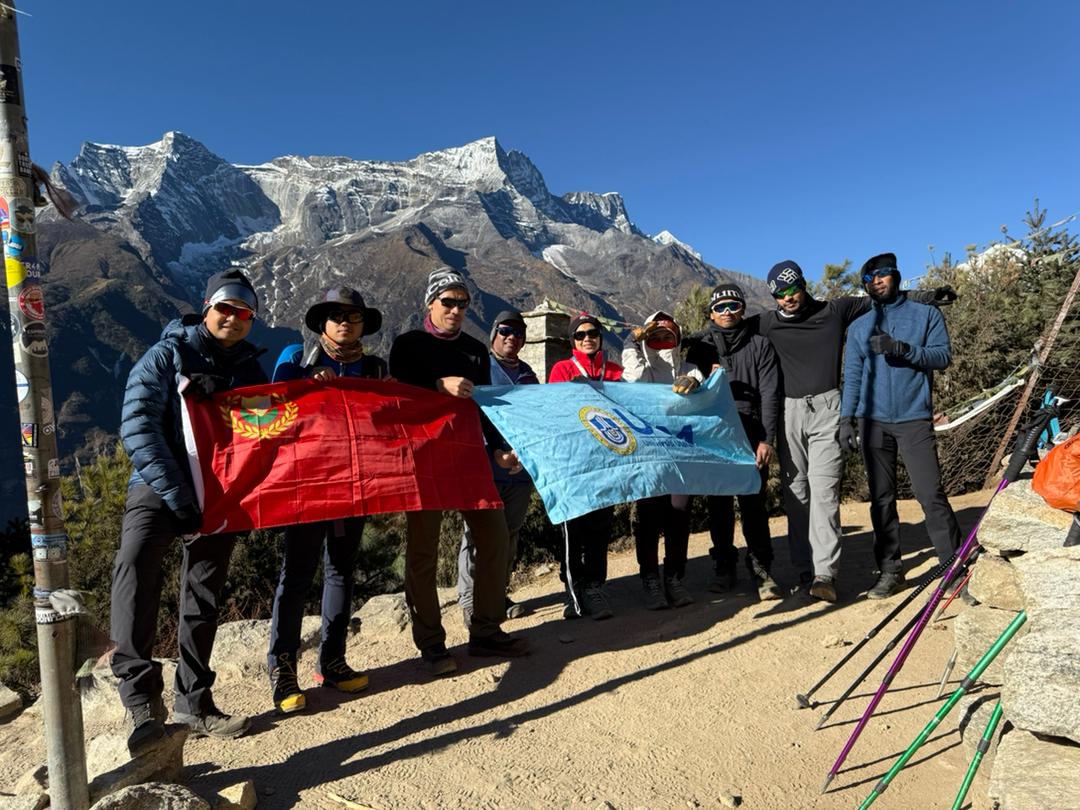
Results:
851 307
769 390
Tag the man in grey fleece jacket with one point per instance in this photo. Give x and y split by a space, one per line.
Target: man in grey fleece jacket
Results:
891 355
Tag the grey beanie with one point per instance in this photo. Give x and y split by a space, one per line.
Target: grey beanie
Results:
443 279
506 316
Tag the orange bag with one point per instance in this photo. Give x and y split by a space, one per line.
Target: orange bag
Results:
1057 476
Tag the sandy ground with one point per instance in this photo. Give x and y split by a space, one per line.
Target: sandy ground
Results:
647 710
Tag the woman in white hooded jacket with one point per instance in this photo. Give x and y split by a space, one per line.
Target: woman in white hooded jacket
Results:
653 355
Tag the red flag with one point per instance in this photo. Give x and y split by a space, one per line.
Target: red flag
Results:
303 451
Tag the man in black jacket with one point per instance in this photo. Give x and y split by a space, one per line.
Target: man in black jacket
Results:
210 351
443 358
750 365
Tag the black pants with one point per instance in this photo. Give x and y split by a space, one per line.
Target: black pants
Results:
917 446
669 514
585 545
339 541
755 528
149 529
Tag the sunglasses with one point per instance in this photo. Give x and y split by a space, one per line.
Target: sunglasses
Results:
454 303
229 311
784 293
343 316
727 306
881 271
510 331
593 334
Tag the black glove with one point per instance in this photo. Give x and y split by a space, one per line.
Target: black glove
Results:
849 434
885 344
204 386
943 296
188 519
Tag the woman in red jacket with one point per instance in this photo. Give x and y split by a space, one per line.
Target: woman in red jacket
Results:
584 563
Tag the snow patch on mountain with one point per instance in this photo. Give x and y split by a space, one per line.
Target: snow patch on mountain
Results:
668 239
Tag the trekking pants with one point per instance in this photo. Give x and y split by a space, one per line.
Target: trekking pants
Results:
810 469
669 514
585 547
487 528
917 445
755 528
515 498
338 541
149 530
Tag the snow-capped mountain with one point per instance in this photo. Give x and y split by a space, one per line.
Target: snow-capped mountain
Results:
669 239
156 220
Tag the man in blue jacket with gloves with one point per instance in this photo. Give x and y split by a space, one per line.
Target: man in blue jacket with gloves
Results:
889 362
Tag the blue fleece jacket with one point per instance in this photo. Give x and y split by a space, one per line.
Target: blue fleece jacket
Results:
894 389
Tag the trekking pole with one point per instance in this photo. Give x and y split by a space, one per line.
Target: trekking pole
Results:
980 752
870 668
966 684
803 700
1025 445
955 593
945 675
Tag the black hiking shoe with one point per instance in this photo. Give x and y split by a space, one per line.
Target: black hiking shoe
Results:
823 588
653 593
215 723
148 726
438 661
676 592
888 583
724 579
767 588
285 690
596 602
498 643
339 675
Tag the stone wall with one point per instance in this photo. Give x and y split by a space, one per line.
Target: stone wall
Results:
1034 760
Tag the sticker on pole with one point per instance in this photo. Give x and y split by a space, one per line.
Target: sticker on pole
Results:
33 340
22 385
22 214
32 302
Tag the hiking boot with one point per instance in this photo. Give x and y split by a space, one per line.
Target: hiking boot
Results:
339 675
438 660
654 593
285 691
148 726
676 592
823 588
768 590
498 643
888 583
215 723
596 602
724 579
514 610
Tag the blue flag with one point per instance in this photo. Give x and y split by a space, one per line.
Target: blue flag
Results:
591 444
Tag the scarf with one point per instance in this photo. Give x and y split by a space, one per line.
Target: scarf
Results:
339 353
441 334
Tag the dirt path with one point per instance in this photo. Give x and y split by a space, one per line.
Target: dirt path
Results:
669 709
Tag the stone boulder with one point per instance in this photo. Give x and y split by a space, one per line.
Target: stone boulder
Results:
1042 681
1050 581
240 647
101 698
975 629
384 615
111 768
1033 773
1001 531
152 796
35 802
994 582
237 797
10 703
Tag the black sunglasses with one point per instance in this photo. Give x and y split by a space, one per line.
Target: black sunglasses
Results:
881 271
585 335
341 316
455 303
510 331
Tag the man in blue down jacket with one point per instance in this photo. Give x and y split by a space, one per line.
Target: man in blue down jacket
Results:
210 351
891 355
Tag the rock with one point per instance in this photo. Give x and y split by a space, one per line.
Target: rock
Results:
237 797
1020 500
565 639
830 642
10 703
35 802
35 782
110 766
975 629
240 647
973 713
542 570
1042 681
730 798
385 615
1050 581
1019 520
994 582
447 597
152 796
1031 773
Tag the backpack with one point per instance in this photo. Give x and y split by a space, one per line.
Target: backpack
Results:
1057 476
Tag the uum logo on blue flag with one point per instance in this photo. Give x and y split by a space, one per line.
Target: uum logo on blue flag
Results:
590 444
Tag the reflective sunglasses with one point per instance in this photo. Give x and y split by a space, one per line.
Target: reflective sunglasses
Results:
229 311
586 334
881 271
727 306
454 303
343 316
510 331
784 293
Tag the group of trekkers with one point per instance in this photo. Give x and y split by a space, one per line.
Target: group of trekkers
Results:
783 367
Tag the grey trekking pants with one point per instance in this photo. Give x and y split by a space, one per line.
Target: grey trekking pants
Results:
810 469
515 497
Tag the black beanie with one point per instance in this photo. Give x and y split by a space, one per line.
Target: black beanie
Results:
727 292
883 261
785 274
230 285
584 317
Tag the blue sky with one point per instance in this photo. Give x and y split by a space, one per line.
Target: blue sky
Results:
812 131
